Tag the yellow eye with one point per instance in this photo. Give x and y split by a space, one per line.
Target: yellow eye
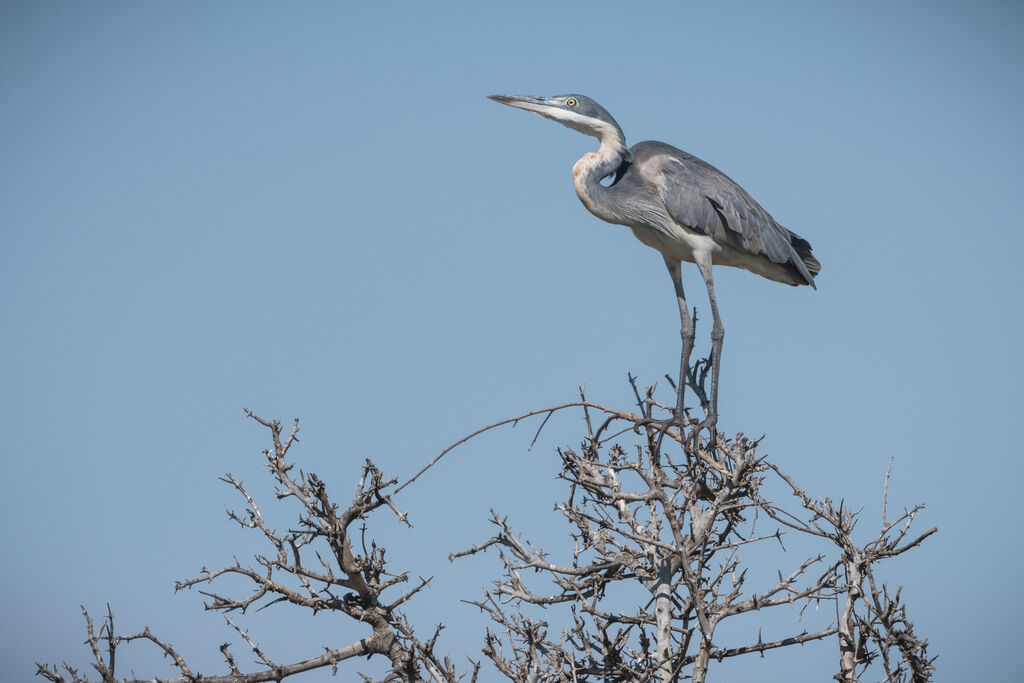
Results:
571 102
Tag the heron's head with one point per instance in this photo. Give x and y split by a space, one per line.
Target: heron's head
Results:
578 112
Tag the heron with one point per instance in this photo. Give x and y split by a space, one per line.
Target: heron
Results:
682 206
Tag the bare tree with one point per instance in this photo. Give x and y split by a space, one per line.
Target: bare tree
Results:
663 508
319 567
874 624
677 511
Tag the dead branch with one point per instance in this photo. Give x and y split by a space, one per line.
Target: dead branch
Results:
353 581
670 510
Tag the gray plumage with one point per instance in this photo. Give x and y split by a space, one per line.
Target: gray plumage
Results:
703 198
680 205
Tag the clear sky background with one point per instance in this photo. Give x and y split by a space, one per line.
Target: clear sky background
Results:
310 209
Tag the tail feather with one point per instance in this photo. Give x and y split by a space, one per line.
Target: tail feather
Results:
812 264
803 250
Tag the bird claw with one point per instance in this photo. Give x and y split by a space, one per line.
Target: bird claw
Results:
680 418
681 423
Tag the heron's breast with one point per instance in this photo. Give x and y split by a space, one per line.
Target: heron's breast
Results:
675 241
581 172
586 183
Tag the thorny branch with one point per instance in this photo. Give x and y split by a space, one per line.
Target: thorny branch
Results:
668 510
344 578
676 514
874 617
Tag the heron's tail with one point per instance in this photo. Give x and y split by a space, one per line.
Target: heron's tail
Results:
812 263
803 250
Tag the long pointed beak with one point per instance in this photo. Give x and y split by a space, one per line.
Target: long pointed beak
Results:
554 108
538 105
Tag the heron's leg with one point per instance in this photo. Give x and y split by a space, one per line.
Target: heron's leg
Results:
717 335
685 331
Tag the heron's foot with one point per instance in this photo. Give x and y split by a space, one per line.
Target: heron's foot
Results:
669 422
679 419
710 423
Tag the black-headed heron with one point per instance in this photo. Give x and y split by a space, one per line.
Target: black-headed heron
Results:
680 205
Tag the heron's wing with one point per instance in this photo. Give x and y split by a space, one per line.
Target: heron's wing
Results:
704 199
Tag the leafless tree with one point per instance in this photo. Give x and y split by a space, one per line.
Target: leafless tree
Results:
872 624
662 508
321 566
677 511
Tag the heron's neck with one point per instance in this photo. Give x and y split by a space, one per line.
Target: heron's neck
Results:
593 167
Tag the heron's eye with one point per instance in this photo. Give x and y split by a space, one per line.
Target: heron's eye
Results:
571 102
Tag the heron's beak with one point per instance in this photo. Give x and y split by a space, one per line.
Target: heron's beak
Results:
555 109
538 105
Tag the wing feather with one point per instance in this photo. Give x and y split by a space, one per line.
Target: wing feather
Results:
704 199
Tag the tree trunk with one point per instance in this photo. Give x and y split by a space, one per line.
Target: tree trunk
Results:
847 637
663 619
700 667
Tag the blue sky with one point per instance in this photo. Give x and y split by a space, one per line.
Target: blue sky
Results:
312 210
